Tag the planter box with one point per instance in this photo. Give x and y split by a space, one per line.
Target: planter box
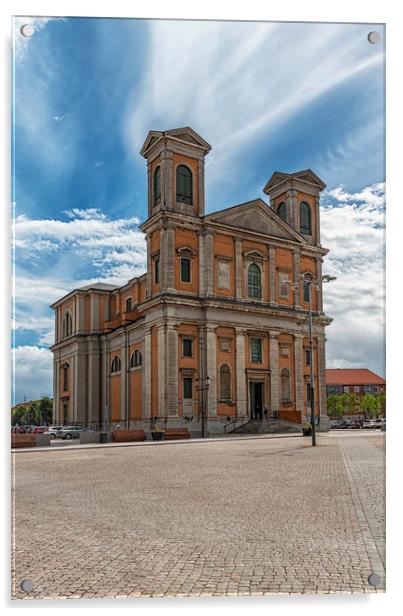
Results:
42 440
158 436
90 437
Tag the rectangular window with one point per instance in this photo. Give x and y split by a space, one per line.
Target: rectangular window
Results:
187 347
346 389
185 270
307 357
284 287
256 350
308 392
157 270
306 291
187 388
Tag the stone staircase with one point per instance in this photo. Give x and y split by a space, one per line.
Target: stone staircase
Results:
268 426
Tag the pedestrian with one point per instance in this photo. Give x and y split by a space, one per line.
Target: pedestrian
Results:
266 412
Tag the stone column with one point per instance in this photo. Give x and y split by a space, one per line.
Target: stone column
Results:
170 257
209 261
272 275
299 373
123 376
212 370
80 386
238 268
241 397
79 314
163 259
296 270
149 269
317 220
162 410
321 376
274 373
150 190
202 261
93 401
147 373
200 168
94 312
320 284
171 389
168 198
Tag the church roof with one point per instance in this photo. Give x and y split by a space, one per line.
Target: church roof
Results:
256 216
306 175
185 134
100 286
352 376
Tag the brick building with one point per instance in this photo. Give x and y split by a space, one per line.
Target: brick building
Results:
217 323
358 381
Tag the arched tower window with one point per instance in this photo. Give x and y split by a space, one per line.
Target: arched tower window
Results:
116 365
285 385
305 218
184 188
136 359
67 324
129 304
225 383
281 211
254 282
65 377
157 185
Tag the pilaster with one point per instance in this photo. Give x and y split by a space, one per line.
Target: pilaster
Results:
202 262
240 373
212 370
320 283
299 372
162 409
296 270
209 261
274 373
238 268
147 373
272 275
171 390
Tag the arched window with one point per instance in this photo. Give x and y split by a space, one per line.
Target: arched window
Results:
285 385
157 186
305 218
65 377
116 364
136 359
129 304
67 324
282 212
184 189
254 282
225 383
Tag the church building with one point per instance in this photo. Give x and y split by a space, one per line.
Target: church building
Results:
217 329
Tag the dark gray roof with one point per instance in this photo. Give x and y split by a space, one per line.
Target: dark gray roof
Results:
102 286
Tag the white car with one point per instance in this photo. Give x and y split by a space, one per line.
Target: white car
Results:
53 431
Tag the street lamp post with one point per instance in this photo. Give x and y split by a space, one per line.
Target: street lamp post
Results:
309 281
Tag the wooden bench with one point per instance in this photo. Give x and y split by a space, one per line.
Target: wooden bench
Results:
173 434
126 436
22 440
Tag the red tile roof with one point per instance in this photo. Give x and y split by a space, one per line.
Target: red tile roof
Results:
352 376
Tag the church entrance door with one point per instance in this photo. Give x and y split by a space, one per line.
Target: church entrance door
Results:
256 400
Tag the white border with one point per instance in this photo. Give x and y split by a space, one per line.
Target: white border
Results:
310 10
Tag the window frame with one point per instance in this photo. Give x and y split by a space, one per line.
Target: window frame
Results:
187 199
157 186
285 385
157 270
189 261
116 365
283 284
187 379
306 218
187 339
252 340
224 399
282 208
252 284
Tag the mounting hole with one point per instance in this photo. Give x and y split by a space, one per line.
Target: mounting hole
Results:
27 585
374 579
27 30
374 37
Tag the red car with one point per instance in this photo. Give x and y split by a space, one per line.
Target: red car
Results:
39 429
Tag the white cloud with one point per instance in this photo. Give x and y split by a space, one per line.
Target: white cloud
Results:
237 81
32 372
354 233
21 42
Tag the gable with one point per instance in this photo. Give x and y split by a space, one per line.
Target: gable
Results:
256 216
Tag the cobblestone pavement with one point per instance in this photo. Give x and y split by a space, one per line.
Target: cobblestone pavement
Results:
249 517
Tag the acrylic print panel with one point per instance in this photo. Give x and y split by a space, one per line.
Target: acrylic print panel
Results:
198 310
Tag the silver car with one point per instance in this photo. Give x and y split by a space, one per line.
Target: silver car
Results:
70 432
53 431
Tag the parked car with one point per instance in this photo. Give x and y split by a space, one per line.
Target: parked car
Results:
334 424
377 423
70 432
39 429
356 424
53 431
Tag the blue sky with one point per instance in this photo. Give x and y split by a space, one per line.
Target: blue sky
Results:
267 96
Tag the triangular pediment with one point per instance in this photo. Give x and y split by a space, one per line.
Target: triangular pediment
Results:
185 134
306 176
256 216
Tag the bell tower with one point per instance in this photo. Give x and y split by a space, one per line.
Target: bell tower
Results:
295 198
175 168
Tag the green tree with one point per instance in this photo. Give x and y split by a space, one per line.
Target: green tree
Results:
370 405
45 411
336 406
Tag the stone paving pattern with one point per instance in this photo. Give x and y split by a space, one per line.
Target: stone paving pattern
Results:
245 517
